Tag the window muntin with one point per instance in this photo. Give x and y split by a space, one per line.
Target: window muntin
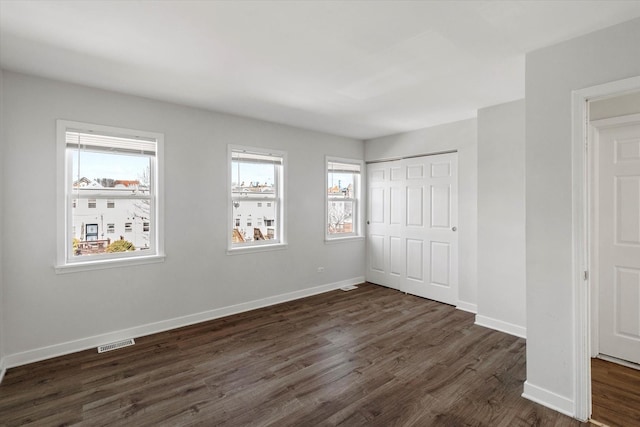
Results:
343 198
109 178
256 181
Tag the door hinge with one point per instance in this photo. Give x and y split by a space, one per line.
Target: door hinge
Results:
585 275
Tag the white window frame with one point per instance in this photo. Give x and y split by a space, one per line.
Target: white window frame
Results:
280 200
65 261
356 199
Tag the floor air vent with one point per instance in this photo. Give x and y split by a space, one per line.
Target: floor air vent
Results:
349 288
116 345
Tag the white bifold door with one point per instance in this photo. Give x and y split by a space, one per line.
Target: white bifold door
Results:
618 236
412 239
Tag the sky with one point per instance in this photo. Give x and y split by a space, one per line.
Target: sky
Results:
252 172
344 179
95 165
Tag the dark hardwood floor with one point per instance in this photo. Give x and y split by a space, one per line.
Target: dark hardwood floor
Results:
371 356
615 391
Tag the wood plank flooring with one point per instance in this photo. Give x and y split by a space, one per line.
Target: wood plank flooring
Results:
371 356
615 391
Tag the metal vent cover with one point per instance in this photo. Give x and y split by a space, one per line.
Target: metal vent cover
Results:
116 345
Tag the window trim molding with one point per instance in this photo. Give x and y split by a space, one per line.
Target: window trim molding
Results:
281 198
357 234
64 264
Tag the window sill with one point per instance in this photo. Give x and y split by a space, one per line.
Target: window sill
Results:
343 239
110 263
259 248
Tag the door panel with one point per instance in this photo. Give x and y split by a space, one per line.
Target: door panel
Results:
396 206
618 236
376 196
628 209
627 297
415 259
376 253
440 263
440 206
415 172
413 211
395 244
415 204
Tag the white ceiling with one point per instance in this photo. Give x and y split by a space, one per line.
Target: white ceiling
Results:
355 68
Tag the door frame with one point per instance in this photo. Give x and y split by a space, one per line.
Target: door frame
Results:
582 170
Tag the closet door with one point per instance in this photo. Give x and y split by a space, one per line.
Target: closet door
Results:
412 226
384 224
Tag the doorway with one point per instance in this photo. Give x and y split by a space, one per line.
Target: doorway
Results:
585 217
412 240
614 165
615 233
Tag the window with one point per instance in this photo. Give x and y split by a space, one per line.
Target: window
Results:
256 180
343 198
108 176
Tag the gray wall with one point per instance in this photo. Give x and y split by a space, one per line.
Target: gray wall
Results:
42 308
613 107
501 218
461 136
551 76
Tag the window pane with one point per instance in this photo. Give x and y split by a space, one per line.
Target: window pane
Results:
340 185
109 170
340 215
128 221
252 222
253 179
98 219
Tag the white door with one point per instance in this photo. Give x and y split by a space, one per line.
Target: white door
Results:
384 223
412 226
618 234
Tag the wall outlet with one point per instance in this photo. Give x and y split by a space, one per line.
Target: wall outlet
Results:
320 269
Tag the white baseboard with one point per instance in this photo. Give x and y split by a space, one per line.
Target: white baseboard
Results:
501 326
549 399
467 306
3 370
30 356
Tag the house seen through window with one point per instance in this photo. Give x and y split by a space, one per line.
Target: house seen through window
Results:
256 197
